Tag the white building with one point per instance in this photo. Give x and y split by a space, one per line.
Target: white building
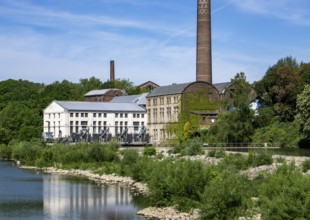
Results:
64 118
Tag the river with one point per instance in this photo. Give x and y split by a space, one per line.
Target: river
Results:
26 194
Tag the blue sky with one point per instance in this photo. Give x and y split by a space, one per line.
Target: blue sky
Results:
52 40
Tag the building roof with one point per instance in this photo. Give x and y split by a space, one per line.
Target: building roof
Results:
138 99
221 86
100 106
147 83
169 90
99 92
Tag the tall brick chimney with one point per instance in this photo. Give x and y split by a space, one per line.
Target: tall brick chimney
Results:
203 51
112 71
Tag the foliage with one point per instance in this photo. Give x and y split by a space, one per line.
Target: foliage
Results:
236 126
285 195
180 181
276 135
226 197
149 151
216 153
305 165
190 147
303 111
130 156
189 120
279 87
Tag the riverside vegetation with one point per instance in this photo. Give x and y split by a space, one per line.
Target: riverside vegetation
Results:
219 190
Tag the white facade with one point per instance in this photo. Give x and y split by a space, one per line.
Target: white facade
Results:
63 119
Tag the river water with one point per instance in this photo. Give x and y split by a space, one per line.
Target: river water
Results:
26 194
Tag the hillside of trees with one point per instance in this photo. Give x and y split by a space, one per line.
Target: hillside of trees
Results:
282 119
22 103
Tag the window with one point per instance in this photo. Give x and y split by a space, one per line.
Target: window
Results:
116 127
94 127
161 114
84 125
142 115
175 99
149 102
105 125
126 115
136 126
126 124
168 100
71 127
76 127
155 115
94 115
104 115
169 114
121 115
138 115
162 100
99 115
149 113
49 116
71 115
116 115
99 126
58 115
54 115
134 116
155 134
82 115
176 112
154 101
76 114
86 115
121 127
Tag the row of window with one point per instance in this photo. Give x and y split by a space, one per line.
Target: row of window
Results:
163 134
104 115
162 114
175 100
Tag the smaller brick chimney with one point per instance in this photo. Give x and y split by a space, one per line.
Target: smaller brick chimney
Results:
112 71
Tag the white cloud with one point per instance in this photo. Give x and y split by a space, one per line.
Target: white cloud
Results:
294 11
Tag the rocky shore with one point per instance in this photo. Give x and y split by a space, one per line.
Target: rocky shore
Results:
168 213
136 187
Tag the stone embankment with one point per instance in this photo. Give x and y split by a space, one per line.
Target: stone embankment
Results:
168 213
136 187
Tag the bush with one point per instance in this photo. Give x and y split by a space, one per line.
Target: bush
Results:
130 156
179 182
226 197
149 151
5 151
305 165
285 195
259 159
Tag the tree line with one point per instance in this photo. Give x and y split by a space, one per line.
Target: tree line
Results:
282 118
22 103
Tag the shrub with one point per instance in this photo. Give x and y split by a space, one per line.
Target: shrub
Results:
130 156
5 151
285 195
305 165
149 151
179 182
261 158
226 197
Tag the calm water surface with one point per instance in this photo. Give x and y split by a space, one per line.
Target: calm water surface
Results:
25 194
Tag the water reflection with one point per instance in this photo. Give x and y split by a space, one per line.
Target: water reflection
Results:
65 199
26 194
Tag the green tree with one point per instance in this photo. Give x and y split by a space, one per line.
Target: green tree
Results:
303 111
279 88
236 125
